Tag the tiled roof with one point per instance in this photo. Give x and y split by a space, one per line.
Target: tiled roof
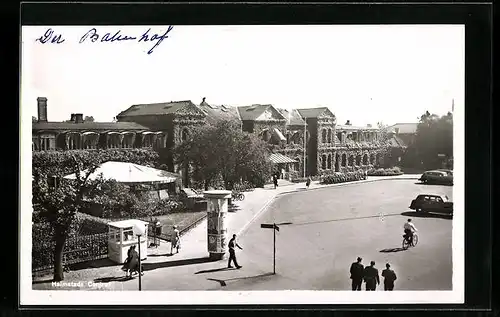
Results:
404 128
254 111
162 108
87 126
313 112
278 158
219 112
293 116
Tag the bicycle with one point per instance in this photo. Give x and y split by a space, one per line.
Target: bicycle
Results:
406 243
238 196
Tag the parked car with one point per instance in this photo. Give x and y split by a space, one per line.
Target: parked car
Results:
442 177
432 203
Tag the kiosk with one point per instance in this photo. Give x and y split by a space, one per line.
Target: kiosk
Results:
217 201
121 237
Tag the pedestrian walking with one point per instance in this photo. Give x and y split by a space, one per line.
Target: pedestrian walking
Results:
275 181
371 277
175 241
308 182
357 273
232 253
389 278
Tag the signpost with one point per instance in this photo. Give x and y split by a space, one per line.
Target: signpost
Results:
275 228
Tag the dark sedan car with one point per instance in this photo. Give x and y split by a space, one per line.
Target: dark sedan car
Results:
443 177
432 203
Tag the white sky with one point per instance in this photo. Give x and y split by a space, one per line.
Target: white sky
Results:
362 73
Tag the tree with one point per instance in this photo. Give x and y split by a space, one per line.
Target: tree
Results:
223 150
89 119
58 205
434 137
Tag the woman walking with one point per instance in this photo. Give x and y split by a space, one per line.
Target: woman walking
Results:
175 241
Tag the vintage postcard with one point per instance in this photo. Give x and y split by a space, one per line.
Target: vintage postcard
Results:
284 164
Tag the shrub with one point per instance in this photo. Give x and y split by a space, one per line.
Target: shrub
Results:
339 177
392 171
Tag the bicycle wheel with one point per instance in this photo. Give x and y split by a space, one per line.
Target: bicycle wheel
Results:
415 240
241 197
405 244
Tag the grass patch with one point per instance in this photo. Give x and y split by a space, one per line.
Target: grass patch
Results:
182 220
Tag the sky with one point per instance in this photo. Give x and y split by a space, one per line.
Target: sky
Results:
365 73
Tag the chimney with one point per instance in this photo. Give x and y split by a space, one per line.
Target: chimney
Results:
73 118
348 122
203 100
78 117
42 109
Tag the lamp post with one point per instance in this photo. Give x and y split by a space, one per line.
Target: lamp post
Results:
305 137
139 230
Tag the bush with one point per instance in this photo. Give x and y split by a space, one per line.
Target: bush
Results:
339 177
392 171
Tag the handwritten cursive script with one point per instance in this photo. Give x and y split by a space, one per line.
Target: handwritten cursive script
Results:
50 36
93 36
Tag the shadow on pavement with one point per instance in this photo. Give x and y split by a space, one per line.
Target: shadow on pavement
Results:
223 282
427 215
431 184
43 281
92 264
216 270
154 266
165 254
112 279
391 250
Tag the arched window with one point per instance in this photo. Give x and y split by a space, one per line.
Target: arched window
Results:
297 164
184 134
266 135
365 159
351 160
323 161
323 136
344 160
329 162
329 136
358 160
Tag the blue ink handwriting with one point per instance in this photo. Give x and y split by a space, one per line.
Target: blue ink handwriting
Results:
93 36
50 36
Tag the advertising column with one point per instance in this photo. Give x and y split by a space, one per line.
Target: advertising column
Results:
217 203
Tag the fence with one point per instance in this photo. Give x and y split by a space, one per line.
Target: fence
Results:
76 250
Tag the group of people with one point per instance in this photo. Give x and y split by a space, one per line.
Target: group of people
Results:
370 276
131 265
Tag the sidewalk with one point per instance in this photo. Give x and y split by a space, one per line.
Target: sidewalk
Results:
194 242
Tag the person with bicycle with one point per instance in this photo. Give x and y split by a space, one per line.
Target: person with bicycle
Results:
409 229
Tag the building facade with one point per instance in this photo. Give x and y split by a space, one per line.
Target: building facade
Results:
310 138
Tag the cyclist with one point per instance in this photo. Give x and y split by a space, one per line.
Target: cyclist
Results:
409 228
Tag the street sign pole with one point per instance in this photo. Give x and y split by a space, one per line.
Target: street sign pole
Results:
274 248
275 228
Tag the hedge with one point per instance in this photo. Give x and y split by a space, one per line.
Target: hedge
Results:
392 171
339 177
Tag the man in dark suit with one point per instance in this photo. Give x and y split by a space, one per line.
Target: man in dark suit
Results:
357 272
371 277
232 253
389 278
